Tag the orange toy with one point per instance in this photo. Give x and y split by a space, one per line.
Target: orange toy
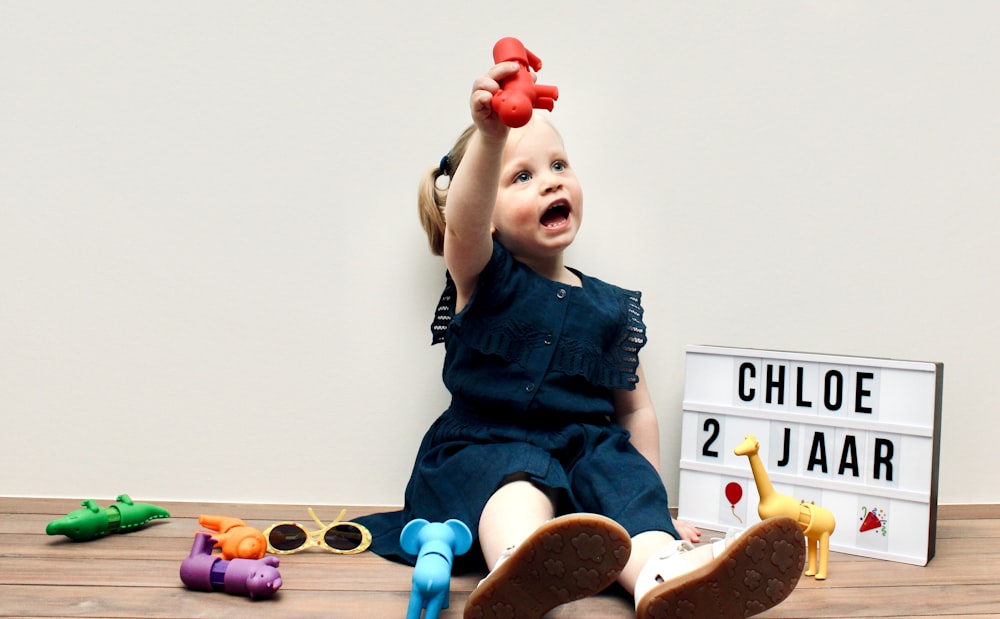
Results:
237 540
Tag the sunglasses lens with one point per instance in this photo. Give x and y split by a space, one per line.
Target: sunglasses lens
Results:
287 537
343 537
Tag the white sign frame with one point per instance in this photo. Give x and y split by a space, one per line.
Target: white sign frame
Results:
858 436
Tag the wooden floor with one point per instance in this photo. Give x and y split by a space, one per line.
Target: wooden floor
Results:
136 574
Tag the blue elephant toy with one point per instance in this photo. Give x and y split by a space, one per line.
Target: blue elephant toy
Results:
435 544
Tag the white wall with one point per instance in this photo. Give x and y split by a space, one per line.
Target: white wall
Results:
213 285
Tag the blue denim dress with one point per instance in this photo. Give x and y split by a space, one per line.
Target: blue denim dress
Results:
532 365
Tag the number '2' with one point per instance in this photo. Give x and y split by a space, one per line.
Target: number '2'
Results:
712 426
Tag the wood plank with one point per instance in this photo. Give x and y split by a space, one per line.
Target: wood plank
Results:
25 533
923 601
374 574
948 529
185 526
60 506
338 574
115 602
76 601
969 512
192 509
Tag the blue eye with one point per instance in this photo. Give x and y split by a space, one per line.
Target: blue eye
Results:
523 177
559 166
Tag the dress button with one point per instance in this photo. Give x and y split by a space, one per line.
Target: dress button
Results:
561 293
548 340
529 387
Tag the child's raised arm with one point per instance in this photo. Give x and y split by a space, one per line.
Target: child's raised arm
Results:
468 242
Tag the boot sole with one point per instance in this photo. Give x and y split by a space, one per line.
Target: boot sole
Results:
566 559
756 572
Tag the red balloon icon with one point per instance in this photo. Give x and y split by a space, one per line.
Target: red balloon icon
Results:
734 492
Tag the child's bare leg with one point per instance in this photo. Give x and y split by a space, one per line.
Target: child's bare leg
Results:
510 516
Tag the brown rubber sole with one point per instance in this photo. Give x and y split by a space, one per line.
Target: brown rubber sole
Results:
566 559
756 572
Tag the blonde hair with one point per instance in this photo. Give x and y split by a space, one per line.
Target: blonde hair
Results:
432 198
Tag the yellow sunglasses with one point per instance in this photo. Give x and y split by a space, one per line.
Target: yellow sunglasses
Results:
343 538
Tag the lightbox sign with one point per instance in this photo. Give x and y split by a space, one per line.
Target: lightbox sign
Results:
855 435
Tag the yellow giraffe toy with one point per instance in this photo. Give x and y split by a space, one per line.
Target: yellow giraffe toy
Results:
817 522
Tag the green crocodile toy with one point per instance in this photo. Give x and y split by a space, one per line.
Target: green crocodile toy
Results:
92 521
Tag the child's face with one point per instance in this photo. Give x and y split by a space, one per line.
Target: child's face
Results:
539 204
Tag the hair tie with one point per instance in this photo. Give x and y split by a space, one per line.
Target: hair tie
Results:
443 179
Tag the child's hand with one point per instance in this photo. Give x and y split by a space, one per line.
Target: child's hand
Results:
481 102
689 532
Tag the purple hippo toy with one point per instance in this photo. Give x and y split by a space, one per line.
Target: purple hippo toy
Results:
207 572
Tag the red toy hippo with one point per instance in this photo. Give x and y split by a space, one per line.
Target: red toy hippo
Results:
519 93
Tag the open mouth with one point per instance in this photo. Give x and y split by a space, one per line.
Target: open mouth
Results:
555 215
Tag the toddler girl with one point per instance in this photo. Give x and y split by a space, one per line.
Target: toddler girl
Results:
549 450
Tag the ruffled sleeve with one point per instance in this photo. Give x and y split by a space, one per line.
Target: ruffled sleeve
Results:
632 337
499 266
444 312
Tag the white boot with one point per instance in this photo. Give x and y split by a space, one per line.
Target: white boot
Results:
503 557
676 559
736 577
